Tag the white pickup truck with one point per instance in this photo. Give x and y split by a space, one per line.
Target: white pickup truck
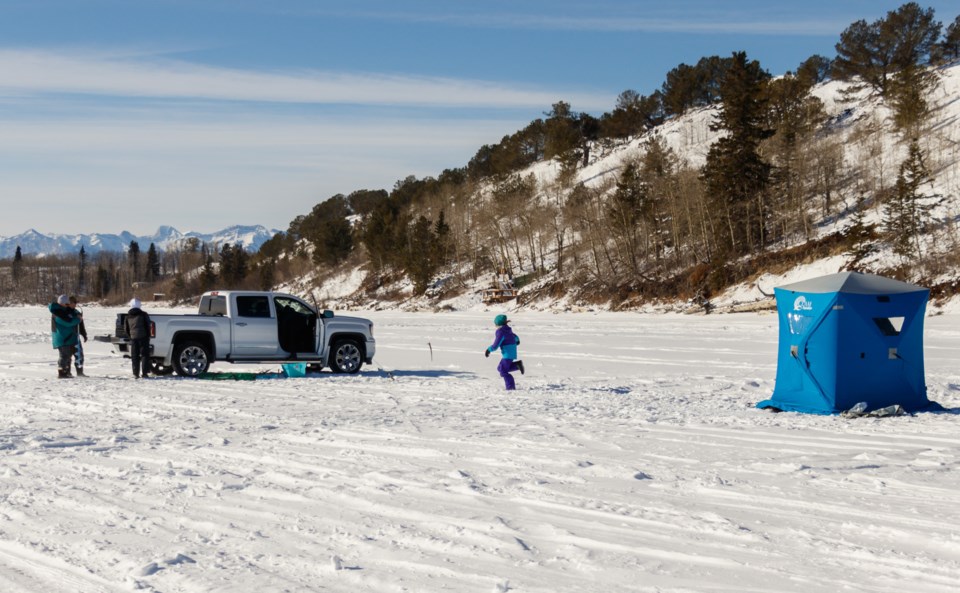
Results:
253 327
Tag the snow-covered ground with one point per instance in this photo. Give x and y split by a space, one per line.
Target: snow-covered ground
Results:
630 459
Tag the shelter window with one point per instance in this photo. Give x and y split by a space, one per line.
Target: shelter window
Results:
889 326
798 323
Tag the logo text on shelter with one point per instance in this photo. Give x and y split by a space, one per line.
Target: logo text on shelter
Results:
802 304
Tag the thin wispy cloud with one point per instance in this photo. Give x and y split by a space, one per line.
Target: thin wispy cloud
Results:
629 24
243 131
27 71
675 17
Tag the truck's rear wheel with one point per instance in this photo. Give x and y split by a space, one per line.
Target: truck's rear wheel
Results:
346 357
191 359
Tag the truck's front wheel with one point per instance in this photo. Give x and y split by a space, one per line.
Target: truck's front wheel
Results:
191 359
345 357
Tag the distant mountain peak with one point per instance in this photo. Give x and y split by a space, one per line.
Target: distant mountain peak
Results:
33 242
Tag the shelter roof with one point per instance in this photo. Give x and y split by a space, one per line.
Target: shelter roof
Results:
853 283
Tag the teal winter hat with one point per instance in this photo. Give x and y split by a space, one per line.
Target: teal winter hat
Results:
500 320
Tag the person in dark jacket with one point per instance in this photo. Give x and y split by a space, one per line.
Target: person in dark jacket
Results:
506 341
137 324
82 333
63 323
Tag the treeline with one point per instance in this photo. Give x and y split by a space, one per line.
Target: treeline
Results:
180 273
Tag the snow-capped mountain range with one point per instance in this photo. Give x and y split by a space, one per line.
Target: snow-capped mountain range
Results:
34 242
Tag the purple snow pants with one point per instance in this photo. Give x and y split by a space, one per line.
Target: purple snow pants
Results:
506 367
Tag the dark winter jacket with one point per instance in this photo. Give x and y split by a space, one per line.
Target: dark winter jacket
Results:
506 341
64 322
137 324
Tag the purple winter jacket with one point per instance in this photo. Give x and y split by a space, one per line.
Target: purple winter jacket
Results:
506 341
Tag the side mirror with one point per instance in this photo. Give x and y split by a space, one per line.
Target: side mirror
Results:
327 314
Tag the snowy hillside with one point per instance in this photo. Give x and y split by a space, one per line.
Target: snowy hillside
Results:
870 152
631 458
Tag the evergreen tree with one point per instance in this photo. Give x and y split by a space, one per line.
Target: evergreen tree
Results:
153 263
102 282
383 235
710 71
694 86
241 263
234 263
208 276
916 33
562 134
228 267
679 90
17 268
736 176
363 201
133 254
909 90
420 261
266 274
632 115
82 270
179 288
859 236
589 131
814 70
328 229
336 242
875 52
948 50
907 211
441 230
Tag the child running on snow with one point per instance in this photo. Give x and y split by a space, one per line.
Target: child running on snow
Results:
506 341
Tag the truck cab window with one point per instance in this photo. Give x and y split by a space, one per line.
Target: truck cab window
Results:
213 305
253 306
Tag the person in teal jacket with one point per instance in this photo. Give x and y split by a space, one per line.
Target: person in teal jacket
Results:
64 325
506 341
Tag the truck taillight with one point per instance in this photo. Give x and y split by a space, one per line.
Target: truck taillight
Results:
153 329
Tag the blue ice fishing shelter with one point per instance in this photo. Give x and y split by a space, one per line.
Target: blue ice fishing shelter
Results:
848 338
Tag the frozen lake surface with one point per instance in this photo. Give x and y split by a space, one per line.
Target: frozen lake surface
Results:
631 458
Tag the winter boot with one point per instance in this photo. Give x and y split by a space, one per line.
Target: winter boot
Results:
64 374
80 372
520 366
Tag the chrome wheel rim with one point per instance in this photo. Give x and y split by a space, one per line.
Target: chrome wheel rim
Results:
348 357
193 360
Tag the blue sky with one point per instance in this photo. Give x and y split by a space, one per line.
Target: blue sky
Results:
128 114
